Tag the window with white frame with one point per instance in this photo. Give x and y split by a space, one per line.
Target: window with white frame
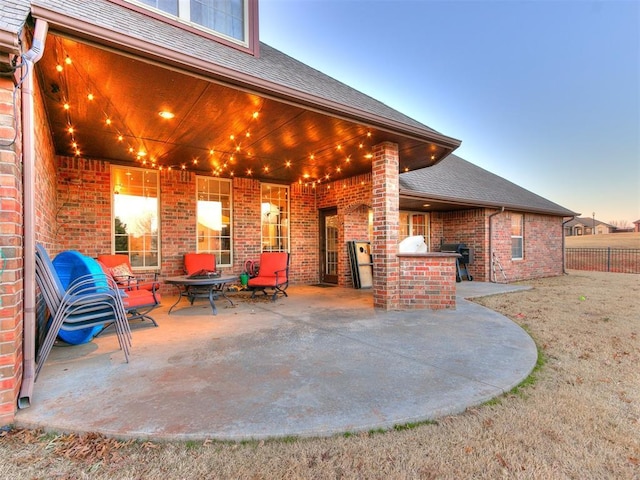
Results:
414 223
135 218
214 219
226 18
517 236
274 208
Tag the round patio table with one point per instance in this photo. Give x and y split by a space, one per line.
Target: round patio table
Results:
202 287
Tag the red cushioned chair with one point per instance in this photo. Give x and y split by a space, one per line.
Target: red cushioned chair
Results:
200 264
139 297
273 273
195 263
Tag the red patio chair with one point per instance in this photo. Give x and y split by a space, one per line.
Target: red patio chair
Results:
195 263
273 273
200 264
139 297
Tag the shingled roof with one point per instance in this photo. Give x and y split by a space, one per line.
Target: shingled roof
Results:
458 181
271 71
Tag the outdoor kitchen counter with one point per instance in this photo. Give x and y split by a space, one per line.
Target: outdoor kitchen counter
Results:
427 280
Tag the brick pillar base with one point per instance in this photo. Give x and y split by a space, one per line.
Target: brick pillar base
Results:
386 182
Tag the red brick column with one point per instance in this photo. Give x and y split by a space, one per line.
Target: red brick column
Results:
385 176
11 316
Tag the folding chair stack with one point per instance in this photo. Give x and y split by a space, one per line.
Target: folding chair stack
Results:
89 300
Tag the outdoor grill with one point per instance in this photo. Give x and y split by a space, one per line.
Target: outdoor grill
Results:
465 259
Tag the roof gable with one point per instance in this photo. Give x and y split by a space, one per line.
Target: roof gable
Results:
457 180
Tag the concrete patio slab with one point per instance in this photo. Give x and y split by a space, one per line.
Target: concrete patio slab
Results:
318 363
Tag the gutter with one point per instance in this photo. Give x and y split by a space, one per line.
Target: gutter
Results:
491 279
29 59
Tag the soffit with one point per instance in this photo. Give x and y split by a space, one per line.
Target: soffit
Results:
214 130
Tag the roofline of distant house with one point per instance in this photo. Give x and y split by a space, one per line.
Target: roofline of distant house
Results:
70 26
416 195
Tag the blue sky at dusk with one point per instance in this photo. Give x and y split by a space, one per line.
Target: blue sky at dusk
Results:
543 93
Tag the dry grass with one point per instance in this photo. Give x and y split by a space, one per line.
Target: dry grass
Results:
580 417
613 240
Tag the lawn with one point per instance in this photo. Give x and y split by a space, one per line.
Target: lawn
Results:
577 417
613 240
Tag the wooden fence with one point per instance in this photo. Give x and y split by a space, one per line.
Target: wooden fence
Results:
620 260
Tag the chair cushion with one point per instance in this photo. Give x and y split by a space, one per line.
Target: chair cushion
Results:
269 281
139 298
195 262
272 262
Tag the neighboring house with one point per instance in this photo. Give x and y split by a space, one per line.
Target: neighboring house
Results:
636 226
154 133
587 226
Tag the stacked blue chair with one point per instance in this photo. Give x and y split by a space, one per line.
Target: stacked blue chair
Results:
88 301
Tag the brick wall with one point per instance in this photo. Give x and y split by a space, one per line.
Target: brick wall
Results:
542 247
427 281
542 242
83 218
352 199
468 227
11 316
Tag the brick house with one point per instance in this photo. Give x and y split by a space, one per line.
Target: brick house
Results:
161 131
587 226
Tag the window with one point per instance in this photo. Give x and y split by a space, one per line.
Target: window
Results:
136 228
226 18
413 223
517 236
214 220
275 218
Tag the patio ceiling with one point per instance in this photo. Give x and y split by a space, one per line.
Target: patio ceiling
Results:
217 128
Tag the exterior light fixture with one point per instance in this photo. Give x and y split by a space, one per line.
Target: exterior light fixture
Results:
166 114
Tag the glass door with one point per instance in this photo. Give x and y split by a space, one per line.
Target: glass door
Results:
329 246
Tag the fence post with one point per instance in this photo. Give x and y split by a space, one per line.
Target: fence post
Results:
608 259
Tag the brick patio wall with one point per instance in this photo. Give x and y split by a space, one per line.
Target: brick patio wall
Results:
427 281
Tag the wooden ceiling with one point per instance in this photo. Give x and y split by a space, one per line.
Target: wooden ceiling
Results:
217 129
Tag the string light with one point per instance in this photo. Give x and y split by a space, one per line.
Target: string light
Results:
346 147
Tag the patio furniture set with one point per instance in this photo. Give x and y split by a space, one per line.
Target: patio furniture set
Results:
83 295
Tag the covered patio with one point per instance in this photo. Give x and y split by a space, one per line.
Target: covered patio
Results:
307 365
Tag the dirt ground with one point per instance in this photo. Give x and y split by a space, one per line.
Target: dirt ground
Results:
578 416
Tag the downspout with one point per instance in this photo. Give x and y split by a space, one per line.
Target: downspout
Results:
491 279
29 59
564 266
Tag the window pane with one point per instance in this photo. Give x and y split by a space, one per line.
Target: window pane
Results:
169 6
516 247
223 16
135 215
214 220
274 207
517 236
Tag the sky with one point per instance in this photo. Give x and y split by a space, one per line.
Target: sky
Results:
543 93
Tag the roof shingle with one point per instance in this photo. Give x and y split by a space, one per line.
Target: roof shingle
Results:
457 180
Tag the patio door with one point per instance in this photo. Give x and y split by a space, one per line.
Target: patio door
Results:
329 246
